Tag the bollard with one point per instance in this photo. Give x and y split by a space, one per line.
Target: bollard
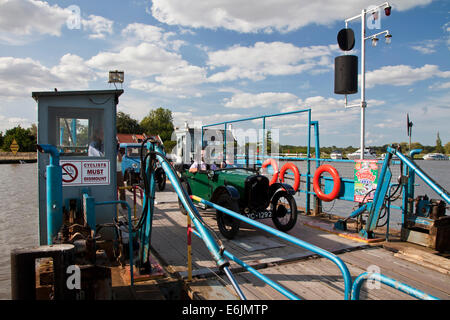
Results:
23 271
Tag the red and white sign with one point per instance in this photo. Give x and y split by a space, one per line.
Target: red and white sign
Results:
85 172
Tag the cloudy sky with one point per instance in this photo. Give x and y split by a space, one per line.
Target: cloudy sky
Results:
217 60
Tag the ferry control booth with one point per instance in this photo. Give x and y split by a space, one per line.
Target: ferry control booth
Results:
78 130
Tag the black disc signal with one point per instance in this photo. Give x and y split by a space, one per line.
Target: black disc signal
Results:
346 39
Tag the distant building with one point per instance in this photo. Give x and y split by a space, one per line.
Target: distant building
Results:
130 138
189 143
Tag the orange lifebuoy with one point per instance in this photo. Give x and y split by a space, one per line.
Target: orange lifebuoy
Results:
291 166
336 183
274 165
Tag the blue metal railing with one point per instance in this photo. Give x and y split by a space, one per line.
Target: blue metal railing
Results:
326 254
253 271
264 117
357 284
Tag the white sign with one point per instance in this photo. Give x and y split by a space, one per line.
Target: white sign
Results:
85 172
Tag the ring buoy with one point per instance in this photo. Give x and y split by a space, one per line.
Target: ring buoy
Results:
336 183
274 165
291 166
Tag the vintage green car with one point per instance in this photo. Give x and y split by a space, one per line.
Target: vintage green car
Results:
245 191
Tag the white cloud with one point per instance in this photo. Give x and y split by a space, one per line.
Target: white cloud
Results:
22 19
265 16
98 26
143 60
20 76
265 59
403 75
135 33
440 85
427 46
263 100
143 32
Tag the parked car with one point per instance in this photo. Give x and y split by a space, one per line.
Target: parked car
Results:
245 191
131 166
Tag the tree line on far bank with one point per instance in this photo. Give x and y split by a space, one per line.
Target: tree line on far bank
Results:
160 122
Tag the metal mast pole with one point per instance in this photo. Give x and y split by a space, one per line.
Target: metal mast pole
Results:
363 79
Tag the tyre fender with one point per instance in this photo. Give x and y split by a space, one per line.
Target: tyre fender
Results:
279 187
232 192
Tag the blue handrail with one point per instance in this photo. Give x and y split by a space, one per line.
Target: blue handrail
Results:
357 284
253 271
326 254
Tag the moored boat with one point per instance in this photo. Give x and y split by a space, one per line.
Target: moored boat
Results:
336 155
368 154
435 156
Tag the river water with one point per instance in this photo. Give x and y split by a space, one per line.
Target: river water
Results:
19 195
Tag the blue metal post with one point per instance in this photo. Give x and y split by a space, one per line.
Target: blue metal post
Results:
308 166
61 136
89 203
74 132
145 234
263 138
54 192
318 205
316 136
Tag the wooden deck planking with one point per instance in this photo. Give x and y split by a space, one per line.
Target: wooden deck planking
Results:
437 280
306 284
362 260
309 279
173 230
329 270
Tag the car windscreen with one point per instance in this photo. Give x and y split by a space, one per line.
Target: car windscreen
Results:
133 152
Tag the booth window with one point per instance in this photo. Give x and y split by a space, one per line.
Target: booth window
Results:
73 136
80 137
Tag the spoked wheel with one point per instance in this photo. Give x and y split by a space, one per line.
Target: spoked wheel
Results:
186 187
228 226
284 211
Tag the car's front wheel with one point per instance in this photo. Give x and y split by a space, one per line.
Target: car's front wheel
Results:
284 211
228 226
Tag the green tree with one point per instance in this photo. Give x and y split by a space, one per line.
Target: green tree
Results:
24 138
159 122
447 148
439 148
126 124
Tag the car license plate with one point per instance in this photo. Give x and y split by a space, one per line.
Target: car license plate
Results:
259 215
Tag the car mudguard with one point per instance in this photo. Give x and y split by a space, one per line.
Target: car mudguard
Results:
277 187
232 192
